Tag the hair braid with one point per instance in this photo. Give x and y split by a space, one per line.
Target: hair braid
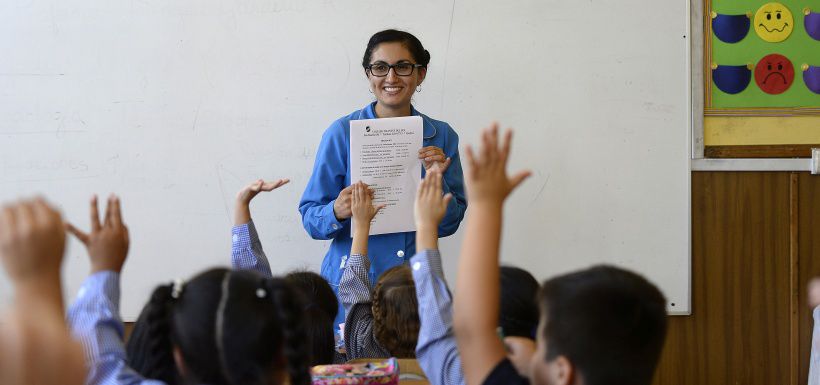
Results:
289 311
157 361
377 305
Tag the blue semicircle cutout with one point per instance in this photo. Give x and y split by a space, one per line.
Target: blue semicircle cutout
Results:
731 28
731 79
811 76
812 24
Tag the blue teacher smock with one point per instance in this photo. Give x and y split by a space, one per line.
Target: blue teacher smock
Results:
331 175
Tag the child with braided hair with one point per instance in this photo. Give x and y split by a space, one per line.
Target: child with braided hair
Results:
383 322
320 300
222 327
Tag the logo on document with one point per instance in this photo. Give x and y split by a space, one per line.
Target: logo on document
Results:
367 128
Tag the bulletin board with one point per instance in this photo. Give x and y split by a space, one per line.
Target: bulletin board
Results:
762 58
761 78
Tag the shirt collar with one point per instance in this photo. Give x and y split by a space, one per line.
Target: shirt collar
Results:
429 129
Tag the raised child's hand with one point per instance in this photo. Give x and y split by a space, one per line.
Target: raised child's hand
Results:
487 180
430 205
107 243
247 193
362 204
32 241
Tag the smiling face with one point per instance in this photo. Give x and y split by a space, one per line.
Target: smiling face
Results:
774 74
773 22
394 92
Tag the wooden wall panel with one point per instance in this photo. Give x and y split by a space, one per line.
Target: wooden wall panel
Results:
808 262
739 327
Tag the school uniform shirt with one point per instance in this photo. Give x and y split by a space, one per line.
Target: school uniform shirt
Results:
814 361
331 174
505 374
436 350
94 319
354 293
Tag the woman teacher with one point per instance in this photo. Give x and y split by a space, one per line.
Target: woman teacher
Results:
395 64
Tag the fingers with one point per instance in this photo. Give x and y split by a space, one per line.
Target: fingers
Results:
355 194
24 215
446 164
114 208
108 204
468 152
270 186
518 178
505 145
7 221
436 182
379 208
81 236
282 182
95 215
45 214
446 200
492 142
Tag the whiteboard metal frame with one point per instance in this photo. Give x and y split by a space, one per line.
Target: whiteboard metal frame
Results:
699 162
695 108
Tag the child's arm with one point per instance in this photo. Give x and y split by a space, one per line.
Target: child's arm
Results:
436 350
94 317
36 346
354 287
246 249
477 294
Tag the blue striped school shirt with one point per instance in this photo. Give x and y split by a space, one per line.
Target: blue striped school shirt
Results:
94 319
436 350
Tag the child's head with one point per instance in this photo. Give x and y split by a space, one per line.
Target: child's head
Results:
320 310
395 312
228 327
518 314
603 325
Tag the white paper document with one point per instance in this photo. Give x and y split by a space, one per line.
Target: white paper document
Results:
384 154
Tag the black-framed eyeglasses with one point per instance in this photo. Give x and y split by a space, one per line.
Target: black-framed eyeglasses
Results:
401 69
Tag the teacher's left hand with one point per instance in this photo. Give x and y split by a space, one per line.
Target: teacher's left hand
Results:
432 156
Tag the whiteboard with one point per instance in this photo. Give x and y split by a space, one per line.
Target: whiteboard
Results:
176 105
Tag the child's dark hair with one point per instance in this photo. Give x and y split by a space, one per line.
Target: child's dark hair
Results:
232 327
151 357
420 55
395 312
320 310
518 315
609 322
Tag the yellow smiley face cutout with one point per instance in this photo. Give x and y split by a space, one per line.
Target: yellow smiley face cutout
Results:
773 22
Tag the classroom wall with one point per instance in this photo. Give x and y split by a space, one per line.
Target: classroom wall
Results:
752 256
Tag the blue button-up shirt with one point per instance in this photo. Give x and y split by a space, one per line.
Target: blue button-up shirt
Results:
331 175
94 319
436 350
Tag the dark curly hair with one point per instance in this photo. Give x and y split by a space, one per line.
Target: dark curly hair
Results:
395 312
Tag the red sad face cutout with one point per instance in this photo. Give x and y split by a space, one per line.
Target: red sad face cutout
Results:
774 74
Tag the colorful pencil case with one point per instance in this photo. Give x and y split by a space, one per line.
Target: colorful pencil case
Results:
383 372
